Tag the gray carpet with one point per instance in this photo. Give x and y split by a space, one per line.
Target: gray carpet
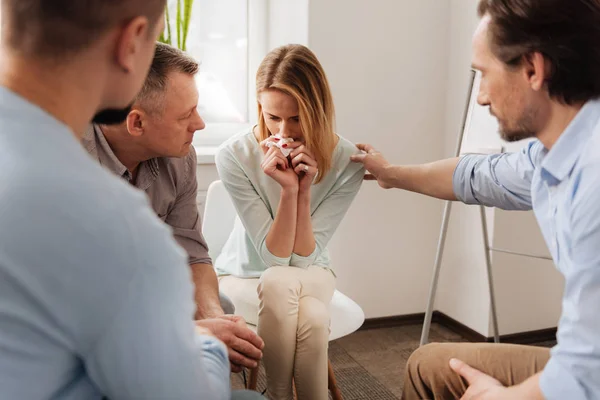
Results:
369 365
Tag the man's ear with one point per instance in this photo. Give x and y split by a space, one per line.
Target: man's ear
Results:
136 121
131 41
538 69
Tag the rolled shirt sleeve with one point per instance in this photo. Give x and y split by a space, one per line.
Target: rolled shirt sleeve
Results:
498 180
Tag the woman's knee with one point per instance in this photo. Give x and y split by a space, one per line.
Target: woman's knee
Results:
278 283
313 320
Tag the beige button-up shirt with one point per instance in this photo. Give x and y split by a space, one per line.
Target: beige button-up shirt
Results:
171 186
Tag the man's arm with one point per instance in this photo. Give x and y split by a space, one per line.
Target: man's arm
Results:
208 303
186 223
499 180
243 345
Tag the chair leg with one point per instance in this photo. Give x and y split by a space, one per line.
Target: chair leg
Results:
332 383
252 382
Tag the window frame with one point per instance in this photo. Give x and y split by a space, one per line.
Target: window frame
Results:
208 140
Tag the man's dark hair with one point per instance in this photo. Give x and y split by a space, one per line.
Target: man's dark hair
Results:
565 32
167 59
55 28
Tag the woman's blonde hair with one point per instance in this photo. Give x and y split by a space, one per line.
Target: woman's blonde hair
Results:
296 71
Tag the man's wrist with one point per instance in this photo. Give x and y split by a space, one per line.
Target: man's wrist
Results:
387 175
204 312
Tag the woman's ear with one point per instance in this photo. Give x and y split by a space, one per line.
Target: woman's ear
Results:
135 123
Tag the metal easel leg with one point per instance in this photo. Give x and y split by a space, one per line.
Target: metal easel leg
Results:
436 273
488 263
444 228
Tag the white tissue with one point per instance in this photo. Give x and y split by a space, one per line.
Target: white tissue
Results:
280 143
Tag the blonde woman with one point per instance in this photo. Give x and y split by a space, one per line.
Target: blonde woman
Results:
275 265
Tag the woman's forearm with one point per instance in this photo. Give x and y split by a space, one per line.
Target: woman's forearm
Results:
280 239
304 243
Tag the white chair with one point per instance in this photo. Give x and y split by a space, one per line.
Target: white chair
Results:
219 215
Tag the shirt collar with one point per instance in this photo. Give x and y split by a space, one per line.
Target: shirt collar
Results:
106 155
562 157
148 170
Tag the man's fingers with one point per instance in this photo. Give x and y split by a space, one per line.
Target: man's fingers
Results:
235 368
358 157
464 370
365 147
247 349
236 358
369 177
248 335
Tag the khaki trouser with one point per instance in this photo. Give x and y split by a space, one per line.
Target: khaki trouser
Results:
290 307
428 375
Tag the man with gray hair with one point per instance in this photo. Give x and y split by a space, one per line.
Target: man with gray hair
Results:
152 150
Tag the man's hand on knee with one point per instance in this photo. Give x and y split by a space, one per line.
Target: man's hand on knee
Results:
244 346
481 386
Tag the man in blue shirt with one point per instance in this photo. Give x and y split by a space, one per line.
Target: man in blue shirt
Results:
539 62
96 298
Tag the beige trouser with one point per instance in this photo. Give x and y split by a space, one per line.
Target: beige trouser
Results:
428 375
290 307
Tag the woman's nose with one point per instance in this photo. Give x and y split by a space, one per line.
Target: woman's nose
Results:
284 130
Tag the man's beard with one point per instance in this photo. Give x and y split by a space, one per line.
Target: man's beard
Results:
522 129
112 116
514 135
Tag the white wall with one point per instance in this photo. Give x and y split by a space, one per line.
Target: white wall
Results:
462 267
386 62
288 22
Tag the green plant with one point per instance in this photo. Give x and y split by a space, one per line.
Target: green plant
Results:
182 25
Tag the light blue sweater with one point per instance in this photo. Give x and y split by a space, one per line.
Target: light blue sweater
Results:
96 297
256 199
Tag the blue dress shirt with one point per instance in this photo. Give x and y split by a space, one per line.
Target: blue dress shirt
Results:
562 186
96 297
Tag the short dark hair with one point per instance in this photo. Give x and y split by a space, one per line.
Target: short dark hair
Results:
167 59
565 32
51 28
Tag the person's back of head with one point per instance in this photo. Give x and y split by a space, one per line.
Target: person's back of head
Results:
100 47
90 304
295 70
